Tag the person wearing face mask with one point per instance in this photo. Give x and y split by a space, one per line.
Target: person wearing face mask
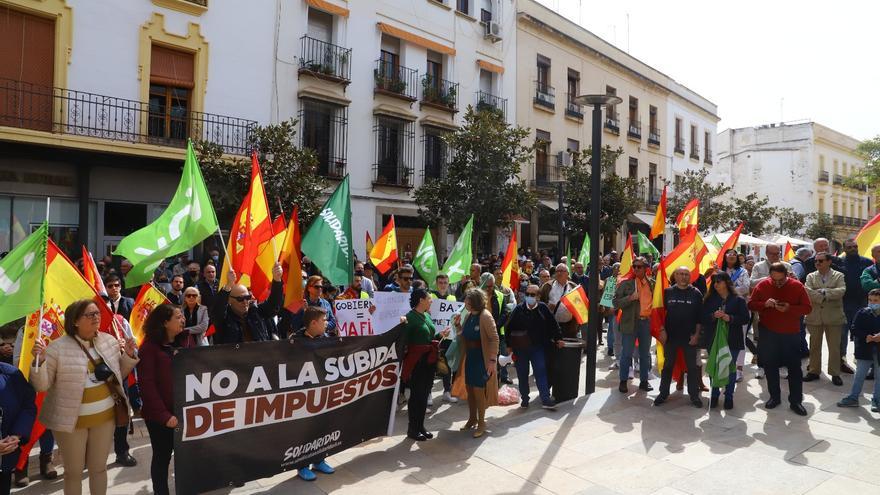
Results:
780 302
866 336
191 277
532 329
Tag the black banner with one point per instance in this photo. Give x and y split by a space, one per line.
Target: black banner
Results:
254 410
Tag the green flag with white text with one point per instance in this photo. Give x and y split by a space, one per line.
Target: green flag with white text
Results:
646 246
461 256
21 276
584 255
328 242
426 259
188 220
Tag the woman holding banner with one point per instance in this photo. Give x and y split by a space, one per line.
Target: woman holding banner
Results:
81 374
161 329
479 350
419 361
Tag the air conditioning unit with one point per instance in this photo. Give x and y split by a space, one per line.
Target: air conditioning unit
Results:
563 159
493 31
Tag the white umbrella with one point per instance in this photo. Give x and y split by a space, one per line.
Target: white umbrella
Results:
743 239
782 239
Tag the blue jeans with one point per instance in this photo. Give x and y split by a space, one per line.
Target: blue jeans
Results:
628 341
731 380
862 367
536 356
612 330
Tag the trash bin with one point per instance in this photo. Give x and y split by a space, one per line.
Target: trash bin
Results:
566 367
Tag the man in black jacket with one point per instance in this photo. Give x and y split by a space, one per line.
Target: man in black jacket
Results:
208 286
683 304
236 320
531 330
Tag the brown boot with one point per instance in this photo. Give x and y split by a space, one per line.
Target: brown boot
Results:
480 396
47 470
472 412
21 479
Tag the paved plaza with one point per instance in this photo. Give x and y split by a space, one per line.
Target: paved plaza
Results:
603 444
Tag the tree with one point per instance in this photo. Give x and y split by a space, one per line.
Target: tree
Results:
482 176
290 173
790 221
713 214
620 195
820 226
869 151
754 212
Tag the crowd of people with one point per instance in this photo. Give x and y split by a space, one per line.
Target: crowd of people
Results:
769 307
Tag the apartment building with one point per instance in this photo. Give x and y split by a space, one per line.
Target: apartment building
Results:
802 165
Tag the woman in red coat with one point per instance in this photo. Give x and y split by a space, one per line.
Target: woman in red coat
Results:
163 324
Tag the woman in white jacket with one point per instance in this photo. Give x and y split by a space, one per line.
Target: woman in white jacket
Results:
740 278
79 403
196 316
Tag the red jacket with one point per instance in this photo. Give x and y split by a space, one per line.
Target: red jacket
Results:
772 319
154 377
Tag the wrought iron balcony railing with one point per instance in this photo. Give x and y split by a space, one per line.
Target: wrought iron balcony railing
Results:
396 80
325 59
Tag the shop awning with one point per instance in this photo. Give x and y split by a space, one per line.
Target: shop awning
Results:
553 205
415 39
743 239
328 7
641 218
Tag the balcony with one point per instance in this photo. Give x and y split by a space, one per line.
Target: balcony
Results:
838 180
325 60
844 221
487 101
635 129
679 146
390 173
695 151
860 187
77 113
707 158
654 136
395 80
612 124
654 195
545 95
573 109
823 176
546 175
440 93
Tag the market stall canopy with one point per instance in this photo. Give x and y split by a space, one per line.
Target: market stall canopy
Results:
782 239
743 239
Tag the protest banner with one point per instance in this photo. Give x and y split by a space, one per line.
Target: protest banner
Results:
353 316
241 421
443 311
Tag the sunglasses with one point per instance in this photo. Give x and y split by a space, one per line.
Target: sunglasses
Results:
92 315
191 296
110 286
246 297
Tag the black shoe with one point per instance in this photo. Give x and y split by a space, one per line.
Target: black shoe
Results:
427 434
836 380
771 404
610 354
660 399
623 388
127 460
507 381
869 376
418 437
728 403
645 386
846 368
798 409
697 402
238 484
713 402
811 377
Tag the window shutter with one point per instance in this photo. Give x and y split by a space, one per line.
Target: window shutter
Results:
170 67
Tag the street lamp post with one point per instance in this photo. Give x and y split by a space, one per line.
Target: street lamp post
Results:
594 325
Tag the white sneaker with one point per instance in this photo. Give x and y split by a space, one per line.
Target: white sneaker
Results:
739 376
631 374
449 398
430 401
635 366
760 374
783 373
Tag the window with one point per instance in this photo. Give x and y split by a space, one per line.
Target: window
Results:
844 169
320 25
679 140
27 58
821 205
544 92
834 206
431 84
436 153
695 147
654 192
542 154
612 109
635 126
171 83
463 6
574 84
121 219
653 131
394 151
822 163
707 148
835 167
324 129
861 212
633 168
573 145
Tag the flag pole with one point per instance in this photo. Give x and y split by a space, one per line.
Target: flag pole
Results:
42 296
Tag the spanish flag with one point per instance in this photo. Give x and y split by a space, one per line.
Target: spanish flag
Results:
659 225
90 272
730 243
626 260
788 254
688 253
869 236
261 278
292 266
148 298
369 243
577 304
658 310
510 265
251 228
384 252
689 217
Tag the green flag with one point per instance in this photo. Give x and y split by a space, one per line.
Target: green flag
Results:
460 259
584 256
188 220
21 276
720 364
328 240
426 259
568 257
646 246
715 242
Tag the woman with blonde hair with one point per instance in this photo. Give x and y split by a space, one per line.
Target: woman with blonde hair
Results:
196 316
81 374
479 350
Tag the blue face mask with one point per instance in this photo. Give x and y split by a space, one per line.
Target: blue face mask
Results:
530 300
874 307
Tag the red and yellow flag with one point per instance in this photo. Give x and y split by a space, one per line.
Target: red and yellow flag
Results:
90 272
688 253
788 254
384 252
689 217
369 244
626 260
251 228
261 278
659 225
509 266
577 304
869 236
147 299
292 266
730 243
